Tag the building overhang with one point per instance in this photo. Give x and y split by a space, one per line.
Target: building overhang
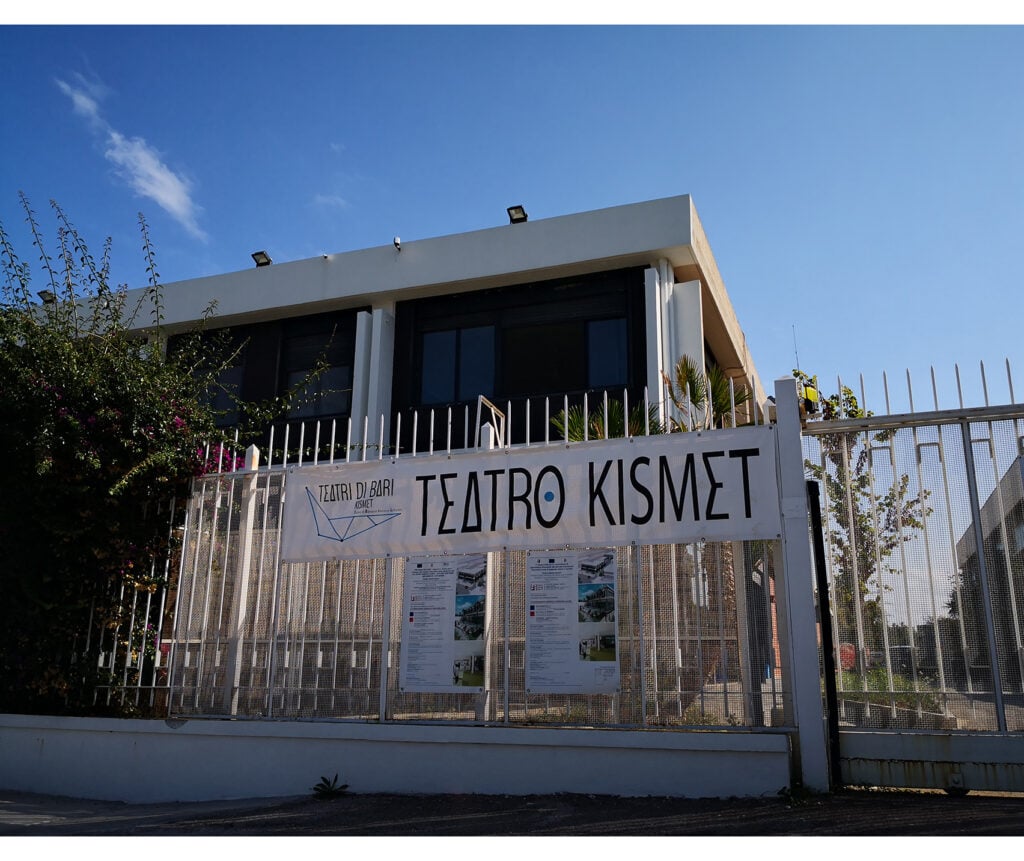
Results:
618 237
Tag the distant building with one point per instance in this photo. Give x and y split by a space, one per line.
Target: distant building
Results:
1002 528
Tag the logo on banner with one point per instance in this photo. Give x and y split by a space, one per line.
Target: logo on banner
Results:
342 527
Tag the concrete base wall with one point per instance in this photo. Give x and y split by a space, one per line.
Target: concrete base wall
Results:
199 760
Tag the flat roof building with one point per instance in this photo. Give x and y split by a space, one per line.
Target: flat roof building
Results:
607 299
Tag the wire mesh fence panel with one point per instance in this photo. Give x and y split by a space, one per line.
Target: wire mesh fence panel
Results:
328 648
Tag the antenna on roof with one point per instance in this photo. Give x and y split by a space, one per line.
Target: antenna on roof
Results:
796 353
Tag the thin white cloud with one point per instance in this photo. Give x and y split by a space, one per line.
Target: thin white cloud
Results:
140 166
83 103
138 163
334 200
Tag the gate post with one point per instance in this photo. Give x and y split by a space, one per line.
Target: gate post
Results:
796 597
240 595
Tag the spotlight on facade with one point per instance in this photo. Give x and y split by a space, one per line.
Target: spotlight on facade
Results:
47 297
261 258
516 214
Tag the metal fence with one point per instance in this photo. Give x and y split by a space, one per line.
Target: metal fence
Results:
132 657
924 529
696 627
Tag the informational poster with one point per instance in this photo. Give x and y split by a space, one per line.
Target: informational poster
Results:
444 613
571 610
663 489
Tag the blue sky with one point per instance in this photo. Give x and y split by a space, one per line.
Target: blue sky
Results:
864 185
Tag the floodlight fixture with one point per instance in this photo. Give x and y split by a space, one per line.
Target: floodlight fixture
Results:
516 214
261 258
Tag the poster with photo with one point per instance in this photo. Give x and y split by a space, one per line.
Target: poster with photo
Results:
443 616
571 610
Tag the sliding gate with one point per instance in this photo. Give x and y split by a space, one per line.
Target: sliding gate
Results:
924 542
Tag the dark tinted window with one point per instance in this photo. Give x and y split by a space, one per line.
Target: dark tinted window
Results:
556 338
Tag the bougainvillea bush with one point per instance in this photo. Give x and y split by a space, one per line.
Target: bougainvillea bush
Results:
100 430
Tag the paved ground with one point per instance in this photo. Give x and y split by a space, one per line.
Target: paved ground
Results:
851 812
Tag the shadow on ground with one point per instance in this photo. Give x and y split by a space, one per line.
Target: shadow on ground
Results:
849 812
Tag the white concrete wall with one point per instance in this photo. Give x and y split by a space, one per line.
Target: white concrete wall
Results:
619 236
151 761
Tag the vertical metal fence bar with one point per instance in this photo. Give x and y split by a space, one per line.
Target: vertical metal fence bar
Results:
385 638
1004 542
723 649
634 564
744 633
369 630
862 662
652 605
339 591
275 593
979 540
320 639
928 564
260 588
698 620
877 528
225 575
507 623
677 651
181 627
352 631
200 667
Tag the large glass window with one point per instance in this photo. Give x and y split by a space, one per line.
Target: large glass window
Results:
330 393
457 365
546 357
607 354
267 359
516 343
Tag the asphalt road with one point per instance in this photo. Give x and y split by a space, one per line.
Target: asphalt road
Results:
845 813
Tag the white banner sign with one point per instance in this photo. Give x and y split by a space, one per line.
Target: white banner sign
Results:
718 485
571 608
443 624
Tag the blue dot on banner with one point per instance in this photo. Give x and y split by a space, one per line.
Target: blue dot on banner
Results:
548 496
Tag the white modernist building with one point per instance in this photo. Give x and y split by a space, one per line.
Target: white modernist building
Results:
601 300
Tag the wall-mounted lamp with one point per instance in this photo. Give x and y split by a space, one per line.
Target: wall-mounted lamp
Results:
516 214
398 243
261 258
47 297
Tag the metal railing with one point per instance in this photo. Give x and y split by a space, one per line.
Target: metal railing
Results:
924 529
697 630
